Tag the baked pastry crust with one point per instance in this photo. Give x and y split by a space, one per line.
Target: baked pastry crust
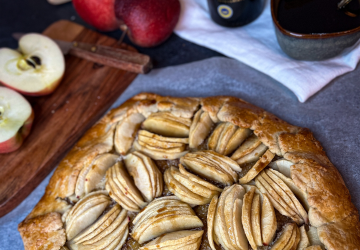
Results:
331 209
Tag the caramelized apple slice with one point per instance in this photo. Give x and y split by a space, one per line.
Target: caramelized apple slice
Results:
304 240
250 144
198 180
137 169
225 136
287 190
246 217
157 143
174 239
258 167
285 237
164 123
268 221
163 138
255 220
121 222
126 131
237 139
90 211
99 226
158 154
200 128
283 166
168 224
240 237
276 200
214 137
210 220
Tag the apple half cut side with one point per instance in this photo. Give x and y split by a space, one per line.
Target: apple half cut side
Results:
16 119
36 68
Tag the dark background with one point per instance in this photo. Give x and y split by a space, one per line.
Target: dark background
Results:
36 15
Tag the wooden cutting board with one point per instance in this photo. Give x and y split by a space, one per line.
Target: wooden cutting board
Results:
85 93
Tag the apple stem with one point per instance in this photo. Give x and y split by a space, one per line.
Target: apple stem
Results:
124 28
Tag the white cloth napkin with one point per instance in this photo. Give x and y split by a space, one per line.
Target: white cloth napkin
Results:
255 45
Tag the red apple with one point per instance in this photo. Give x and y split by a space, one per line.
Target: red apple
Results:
36 68
149 22
97 13
16 118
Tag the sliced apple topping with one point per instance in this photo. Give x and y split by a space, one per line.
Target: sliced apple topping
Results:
283 166
188 188
227 137
175 240
85 212
212 165
122 189
126 131
251 150
147 177
200 128
163 216
210 221
159 147
166 124
313 237
314 248
288 239
258 167
90 176
297 191
268 221
281 196
304 240
227 223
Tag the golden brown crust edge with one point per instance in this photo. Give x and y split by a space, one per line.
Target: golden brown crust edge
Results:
331 209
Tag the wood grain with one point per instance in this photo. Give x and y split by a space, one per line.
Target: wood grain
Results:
85 93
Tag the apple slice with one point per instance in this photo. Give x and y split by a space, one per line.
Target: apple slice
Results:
237 192
258 167
268 221
159 154
240 237
214 137
298 193
126 131
159 144
163 138
166 124
100 225
236 139
314 237
304 240
283 166
174 239
292 241
297 240
285 237
119 223
314 248
16 118
250 144
246 217
225 136
200 128
36 68
255 220
210 220
300 209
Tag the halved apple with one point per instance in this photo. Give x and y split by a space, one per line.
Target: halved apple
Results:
126 131
268 221
258 167
36 68
200 128
16 119
166 124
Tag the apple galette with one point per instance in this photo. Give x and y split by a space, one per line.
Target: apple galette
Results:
194 173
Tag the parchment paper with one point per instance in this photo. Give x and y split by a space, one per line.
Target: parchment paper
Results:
333 115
